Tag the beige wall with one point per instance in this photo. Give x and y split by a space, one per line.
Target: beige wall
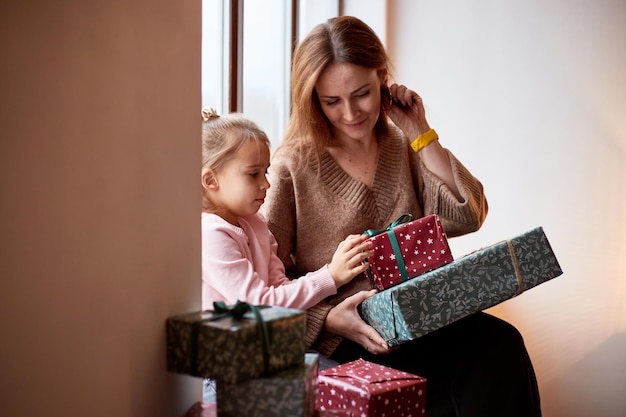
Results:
99 215
531 96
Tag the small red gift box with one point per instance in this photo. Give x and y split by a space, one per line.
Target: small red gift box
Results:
363 388
407 249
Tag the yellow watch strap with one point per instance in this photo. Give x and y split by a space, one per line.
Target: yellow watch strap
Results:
424 140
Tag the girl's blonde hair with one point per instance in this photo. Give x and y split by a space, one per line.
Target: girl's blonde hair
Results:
223 136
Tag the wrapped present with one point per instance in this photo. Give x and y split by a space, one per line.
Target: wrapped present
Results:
334 413
237 343
470 284
406 249
290 393
362 388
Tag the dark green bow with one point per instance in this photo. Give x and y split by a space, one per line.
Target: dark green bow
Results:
237 310
405 218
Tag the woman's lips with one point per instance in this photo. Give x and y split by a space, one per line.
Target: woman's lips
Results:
356 125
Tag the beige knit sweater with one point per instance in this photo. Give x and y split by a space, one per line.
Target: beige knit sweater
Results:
310 213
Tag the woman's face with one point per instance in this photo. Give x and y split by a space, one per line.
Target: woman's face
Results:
350 98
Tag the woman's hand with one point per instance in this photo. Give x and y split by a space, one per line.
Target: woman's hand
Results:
344 320
407 111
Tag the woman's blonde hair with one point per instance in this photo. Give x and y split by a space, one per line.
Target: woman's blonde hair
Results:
223 136
343 39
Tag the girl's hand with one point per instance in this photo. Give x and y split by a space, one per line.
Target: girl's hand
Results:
407 111
344 320
349 259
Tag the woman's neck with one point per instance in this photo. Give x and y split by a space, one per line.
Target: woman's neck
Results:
358 158
360 145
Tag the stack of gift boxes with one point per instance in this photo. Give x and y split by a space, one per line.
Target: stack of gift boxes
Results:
446 290
261 369
257 358
257 355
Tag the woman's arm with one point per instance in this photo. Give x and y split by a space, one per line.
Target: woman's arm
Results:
408 113
457 217
443 185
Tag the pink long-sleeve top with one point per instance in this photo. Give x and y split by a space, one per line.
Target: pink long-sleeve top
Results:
241 263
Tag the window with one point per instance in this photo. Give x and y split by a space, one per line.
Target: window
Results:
246 52
215 43
267 39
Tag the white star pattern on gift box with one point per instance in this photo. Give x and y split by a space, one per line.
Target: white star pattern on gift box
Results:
422 245
398 394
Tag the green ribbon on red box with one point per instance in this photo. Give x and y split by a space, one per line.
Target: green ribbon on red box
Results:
405 218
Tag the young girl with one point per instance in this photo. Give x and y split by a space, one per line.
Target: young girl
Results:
239 260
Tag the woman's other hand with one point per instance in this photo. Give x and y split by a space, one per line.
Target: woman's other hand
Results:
407 111
344 320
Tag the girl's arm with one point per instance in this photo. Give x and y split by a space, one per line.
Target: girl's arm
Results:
229 273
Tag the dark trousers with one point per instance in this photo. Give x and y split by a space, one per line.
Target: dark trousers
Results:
475 367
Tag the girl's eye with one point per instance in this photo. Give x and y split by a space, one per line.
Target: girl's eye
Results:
365 94
332 102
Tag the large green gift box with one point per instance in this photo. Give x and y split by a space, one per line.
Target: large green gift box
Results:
291 393
470 284
229 349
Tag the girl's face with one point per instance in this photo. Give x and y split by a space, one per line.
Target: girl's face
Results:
350 98
240 185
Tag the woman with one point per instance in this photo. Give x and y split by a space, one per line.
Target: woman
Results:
357 154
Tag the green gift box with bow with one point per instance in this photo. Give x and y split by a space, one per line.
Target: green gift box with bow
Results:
468 285
235 343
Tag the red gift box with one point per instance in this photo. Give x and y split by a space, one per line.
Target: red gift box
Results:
407 249
363 388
